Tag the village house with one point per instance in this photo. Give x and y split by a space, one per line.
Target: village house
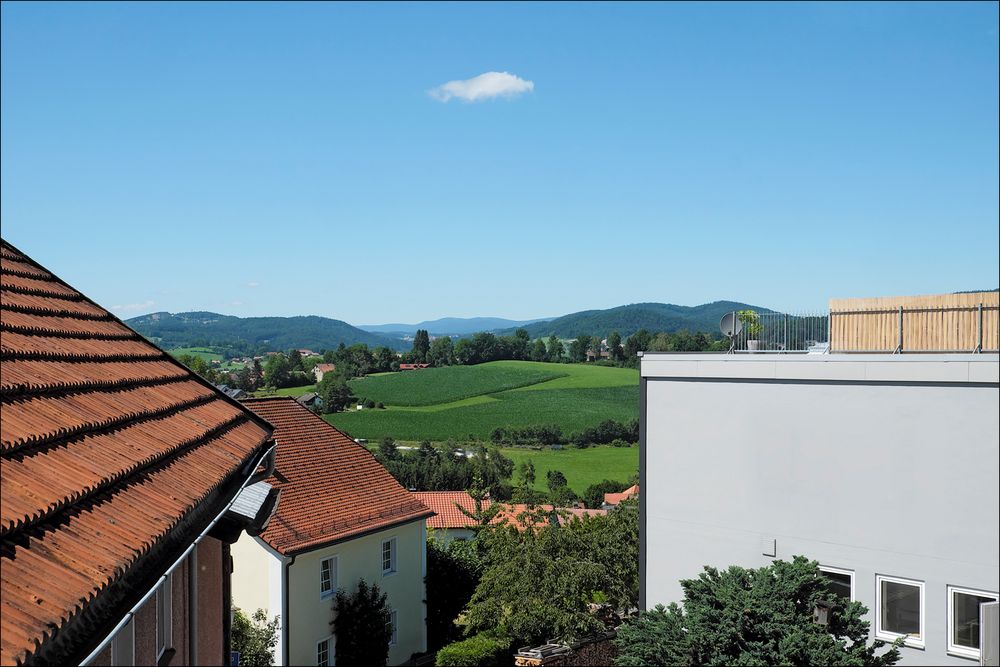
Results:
451 523
319 370
612 500
342 518
125 477
412 367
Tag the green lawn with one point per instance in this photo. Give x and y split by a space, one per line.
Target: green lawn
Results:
430 386
575 397
206 353
294 392
582 467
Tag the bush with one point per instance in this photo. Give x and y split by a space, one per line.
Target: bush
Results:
476 651
369 403
380 405
618 442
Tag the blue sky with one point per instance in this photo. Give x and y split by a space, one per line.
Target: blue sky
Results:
268 159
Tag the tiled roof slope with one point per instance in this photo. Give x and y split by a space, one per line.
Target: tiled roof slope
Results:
331 487
617 498
113 457
445 505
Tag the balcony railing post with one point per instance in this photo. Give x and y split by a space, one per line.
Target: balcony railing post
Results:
979 329
899 346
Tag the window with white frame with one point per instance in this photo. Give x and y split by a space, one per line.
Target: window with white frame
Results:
389 556
123 646
328 577
324 653
840 581
164 616
899 610
392 628
964 620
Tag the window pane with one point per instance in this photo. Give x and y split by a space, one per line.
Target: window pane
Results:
838 584
323 653
966 625
324 576
901 608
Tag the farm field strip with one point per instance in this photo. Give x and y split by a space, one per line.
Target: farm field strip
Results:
434 386
582 467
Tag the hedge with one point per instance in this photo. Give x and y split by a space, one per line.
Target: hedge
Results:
476 651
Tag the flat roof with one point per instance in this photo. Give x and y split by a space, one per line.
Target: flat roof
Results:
894 368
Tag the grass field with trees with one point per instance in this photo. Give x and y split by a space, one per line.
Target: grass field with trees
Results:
582 467
475 400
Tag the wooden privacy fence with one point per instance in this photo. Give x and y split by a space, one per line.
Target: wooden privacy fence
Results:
935 323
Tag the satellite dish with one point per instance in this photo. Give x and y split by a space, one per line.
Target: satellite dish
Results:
730 325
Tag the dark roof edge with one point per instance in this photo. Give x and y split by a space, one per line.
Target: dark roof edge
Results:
352 536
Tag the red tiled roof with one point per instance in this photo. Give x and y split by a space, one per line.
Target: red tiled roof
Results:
325 368
615 498
522 517
445 505
331 487
113 457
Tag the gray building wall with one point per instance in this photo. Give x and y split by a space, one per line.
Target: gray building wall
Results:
876 464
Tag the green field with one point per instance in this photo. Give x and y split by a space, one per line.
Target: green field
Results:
432 386
206 353
294 392
582 467
474 400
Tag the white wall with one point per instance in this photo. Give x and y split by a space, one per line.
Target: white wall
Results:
888 477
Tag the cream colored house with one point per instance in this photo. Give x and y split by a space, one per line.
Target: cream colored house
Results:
342 518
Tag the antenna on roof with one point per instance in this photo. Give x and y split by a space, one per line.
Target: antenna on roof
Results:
731 326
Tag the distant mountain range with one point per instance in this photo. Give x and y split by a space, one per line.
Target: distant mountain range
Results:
459 326
276 333
626 320
323 333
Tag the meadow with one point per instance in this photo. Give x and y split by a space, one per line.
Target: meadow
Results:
582 467
468 402
206 353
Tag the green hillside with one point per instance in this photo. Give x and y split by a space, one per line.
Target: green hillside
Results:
654 317
474 400
198 329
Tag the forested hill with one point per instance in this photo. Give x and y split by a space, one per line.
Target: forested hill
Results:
626 320
274 333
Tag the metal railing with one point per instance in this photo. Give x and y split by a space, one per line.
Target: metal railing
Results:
770 332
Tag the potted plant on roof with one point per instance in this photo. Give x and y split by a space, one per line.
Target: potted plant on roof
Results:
750 319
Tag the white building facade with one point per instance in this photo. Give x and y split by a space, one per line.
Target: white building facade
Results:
884 468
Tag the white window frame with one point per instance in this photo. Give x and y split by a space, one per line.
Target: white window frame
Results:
888 635
393 550
334 577
840 570
331 656
393 621
954 649
123 646
165 635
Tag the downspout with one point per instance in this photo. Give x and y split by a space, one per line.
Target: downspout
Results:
267 460
227 607
285 650
193 608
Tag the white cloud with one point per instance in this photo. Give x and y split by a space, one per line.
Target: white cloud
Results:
132 307
483 87
253 284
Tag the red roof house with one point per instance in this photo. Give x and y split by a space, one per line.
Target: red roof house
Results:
118 467
342 517
613 499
